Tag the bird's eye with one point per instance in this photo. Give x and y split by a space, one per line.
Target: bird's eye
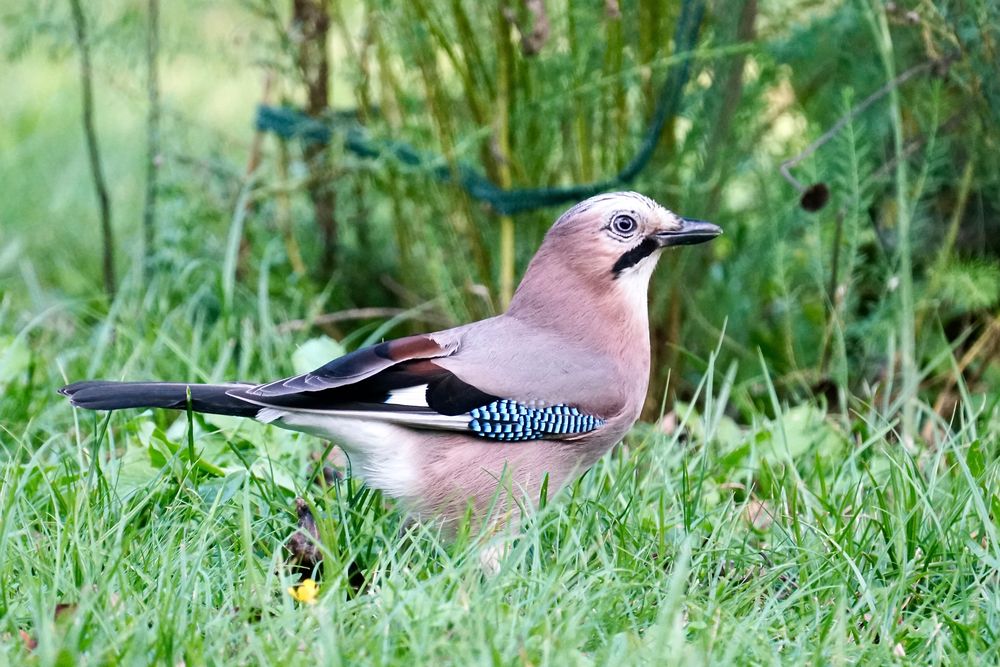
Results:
624 225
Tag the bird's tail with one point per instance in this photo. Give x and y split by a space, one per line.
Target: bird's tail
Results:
210 398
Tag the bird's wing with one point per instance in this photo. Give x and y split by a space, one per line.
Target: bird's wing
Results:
358 366
399 382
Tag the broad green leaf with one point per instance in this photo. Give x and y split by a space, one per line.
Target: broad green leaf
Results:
315 352
135 471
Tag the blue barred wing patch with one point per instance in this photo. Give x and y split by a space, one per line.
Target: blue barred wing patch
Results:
510 421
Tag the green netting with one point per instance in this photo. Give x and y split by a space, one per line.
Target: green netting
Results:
290 123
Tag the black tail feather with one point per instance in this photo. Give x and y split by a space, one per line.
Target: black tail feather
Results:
209 398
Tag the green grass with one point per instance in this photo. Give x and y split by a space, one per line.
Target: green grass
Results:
781 515
863 548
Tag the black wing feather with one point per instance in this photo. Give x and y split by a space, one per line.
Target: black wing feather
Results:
446 394
216 399
361 383
353 368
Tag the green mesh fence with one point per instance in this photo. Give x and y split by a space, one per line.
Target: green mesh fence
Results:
290 123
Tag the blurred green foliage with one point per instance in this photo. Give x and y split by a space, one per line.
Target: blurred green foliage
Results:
783 508
570 91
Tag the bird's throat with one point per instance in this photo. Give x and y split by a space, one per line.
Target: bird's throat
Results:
633 256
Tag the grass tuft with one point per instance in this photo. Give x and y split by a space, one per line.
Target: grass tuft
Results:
801 538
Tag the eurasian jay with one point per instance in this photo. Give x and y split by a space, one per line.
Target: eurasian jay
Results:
438 420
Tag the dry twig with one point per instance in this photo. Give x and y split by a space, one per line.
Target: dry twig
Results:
93 149
152 134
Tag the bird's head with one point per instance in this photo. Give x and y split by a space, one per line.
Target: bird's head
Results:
589 279
613 241
598 258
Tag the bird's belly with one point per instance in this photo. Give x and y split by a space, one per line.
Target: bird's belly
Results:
382 454
440 474
499 480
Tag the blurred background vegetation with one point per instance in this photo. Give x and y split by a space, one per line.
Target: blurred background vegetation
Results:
278 181
867 273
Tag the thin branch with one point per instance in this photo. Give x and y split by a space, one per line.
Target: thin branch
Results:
311 27
100 186
985 347
283 211
831 291
534 28
915 145
249 177
930 65
153 157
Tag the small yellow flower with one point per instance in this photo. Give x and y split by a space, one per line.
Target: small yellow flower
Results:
306 592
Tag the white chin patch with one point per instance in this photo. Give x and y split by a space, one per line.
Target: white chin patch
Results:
634 281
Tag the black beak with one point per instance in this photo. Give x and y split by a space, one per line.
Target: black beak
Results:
690 233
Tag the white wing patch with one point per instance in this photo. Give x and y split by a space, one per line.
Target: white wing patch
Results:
415 396
269 415
287 418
